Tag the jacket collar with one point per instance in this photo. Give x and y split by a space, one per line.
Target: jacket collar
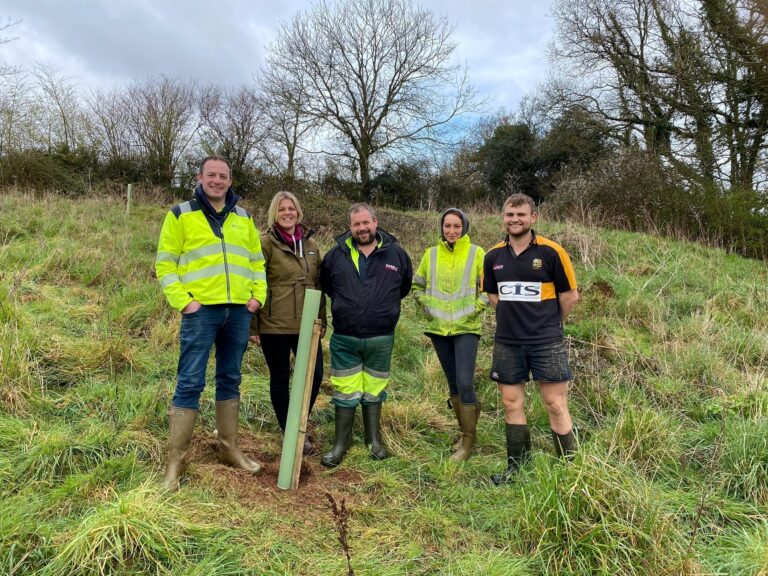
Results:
229 202
384 239
460 244
275 234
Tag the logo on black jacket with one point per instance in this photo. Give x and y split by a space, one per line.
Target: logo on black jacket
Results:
392 267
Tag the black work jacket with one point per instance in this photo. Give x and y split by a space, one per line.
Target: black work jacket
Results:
371 308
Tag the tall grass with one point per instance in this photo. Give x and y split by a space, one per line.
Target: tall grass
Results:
670 398
136 531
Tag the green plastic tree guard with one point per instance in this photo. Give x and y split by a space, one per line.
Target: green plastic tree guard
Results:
288 460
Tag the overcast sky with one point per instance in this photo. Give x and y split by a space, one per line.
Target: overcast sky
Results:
98 43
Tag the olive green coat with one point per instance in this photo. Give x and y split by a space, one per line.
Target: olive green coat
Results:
288 276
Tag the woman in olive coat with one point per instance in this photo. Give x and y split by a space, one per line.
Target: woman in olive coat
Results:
293 264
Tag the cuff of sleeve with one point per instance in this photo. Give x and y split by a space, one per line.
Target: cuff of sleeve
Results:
184 304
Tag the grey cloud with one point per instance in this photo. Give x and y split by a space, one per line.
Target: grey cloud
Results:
503 43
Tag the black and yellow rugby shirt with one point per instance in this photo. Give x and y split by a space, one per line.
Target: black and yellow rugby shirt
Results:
527 285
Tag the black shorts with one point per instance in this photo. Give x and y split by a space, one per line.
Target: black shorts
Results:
513 364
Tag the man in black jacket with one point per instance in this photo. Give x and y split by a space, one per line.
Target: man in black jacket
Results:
365 275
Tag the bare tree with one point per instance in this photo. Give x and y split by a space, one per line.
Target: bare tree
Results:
687 78
7 69
14 101
232 124
163 121
376 73
108 129
16 118
59 115
283 101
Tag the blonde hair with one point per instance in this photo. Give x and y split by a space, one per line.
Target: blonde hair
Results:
272 212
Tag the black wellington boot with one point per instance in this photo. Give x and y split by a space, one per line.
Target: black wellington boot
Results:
518 447
345 418
371 420
565 444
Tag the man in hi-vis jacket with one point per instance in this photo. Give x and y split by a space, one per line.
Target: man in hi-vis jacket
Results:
211 268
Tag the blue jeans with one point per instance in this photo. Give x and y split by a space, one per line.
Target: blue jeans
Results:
458 355
226 326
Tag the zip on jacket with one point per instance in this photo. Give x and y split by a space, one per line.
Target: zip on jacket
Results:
208 256
447 288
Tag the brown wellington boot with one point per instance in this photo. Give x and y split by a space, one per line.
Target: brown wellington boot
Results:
470 413
310 441
227 414
181 423
454 403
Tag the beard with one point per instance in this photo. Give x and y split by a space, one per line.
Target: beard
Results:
371 238
524 230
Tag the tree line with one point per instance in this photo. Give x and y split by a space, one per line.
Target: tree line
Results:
655 116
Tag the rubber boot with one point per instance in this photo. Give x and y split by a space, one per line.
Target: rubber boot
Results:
308 448
565 444
345 419
371 419
518 447
181 423
470 413
309 441
454 402
227 423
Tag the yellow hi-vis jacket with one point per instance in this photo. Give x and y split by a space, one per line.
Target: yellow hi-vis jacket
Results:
194 262
447 287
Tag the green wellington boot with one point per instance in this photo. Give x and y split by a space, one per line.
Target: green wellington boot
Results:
371 423
470 413
181 423
518 447
565 444
345 419
227 423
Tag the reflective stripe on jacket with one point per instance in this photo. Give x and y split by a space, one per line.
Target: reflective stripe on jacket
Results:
447 287
194 262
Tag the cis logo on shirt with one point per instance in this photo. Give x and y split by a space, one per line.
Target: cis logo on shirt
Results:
391 267
519 291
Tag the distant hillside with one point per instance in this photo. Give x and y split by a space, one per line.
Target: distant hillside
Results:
670 350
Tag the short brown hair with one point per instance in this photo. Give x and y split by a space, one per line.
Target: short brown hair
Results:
207 159
518 200
359 207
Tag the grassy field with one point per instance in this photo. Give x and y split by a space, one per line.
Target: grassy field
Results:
670 351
